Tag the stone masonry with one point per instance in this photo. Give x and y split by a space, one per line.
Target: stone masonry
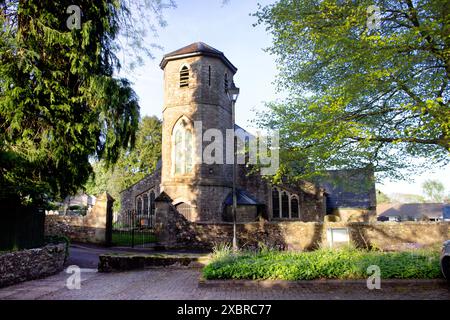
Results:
150 182
196 80
174 230
31 264
203 100
90 228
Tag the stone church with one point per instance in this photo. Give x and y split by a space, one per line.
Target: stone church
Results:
196 79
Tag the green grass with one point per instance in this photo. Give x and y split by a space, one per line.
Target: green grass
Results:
124 239
346 263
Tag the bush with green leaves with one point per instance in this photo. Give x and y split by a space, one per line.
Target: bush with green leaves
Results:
345 263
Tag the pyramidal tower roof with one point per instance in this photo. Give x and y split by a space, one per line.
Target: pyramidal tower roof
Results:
196 49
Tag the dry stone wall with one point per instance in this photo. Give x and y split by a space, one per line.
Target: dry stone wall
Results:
31 264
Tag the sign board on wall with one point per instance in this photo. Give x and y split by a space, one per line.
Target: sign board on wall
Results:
337 237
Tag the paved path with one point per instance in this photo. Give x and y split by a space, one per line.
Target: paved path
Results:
182 283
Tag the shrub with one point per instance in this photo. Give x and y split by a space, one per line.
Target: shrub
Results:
345 263
222 250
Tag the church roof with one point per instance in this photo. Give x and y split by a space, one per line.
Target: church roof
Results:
349 188
196 49
163 197
243 198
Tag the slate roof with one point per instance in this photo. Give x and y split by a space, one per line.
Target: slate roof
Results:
353 188
196 49
163 197
243 199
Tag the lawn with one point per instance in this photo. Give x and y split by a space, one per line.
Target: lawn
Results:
346 263
125 238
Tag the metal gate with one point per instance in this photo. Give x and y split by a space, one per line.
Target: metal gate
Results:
134 229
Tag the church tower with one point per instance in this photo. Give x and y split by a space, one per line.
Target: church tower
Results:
195 81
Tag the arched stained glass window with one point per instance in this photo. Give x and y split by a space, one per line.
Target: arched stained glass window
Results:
188 153
284 205
152 202
182 148
275 203
179 159
139 206
145 211
294 207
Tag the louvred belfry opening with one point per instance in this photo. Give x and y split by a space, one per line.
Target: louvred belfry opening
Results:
184 77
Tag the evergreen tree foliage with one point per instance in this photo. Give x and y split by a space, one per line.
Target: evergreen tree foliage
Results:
61 104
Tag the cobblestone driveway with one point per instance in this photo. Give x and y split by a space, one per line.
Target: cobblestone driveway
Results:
178 283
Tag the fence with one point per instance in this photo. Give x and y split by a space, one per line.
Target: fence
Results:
133 229
21 228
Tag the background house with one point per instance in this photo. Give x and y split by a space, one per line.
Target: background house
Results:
411 211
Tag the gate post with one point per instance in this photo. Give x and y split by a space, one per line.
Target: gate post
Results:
109 219
99 220
162 212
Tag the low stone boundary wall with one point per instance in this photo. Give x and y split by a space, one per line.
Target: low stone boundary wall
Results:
297 235
91 228
31 264
75 228
124 262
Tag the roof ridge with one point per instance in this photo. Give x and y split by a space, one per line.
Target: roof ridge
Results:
196 48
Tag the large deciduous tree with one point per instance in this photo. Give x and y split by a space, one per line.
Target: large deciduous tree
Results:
60 102
132 165
360 92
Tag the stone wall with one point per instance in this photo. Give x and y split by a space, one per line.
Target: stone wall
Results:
292 235
355 214
312 205
176 231
128 196
243 213
31 264
90 228
253 183
205 101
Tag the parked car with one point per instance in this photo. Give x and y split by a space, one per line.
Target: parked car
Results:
445 260
446 213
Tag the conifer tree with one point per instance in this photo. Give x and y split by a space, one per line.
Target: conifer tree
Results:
61 104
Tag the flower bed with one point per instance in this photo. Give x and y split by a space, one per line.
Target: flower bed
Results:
346 263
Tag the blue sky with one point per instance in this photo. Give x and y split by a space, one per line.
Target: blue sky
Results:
228 28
